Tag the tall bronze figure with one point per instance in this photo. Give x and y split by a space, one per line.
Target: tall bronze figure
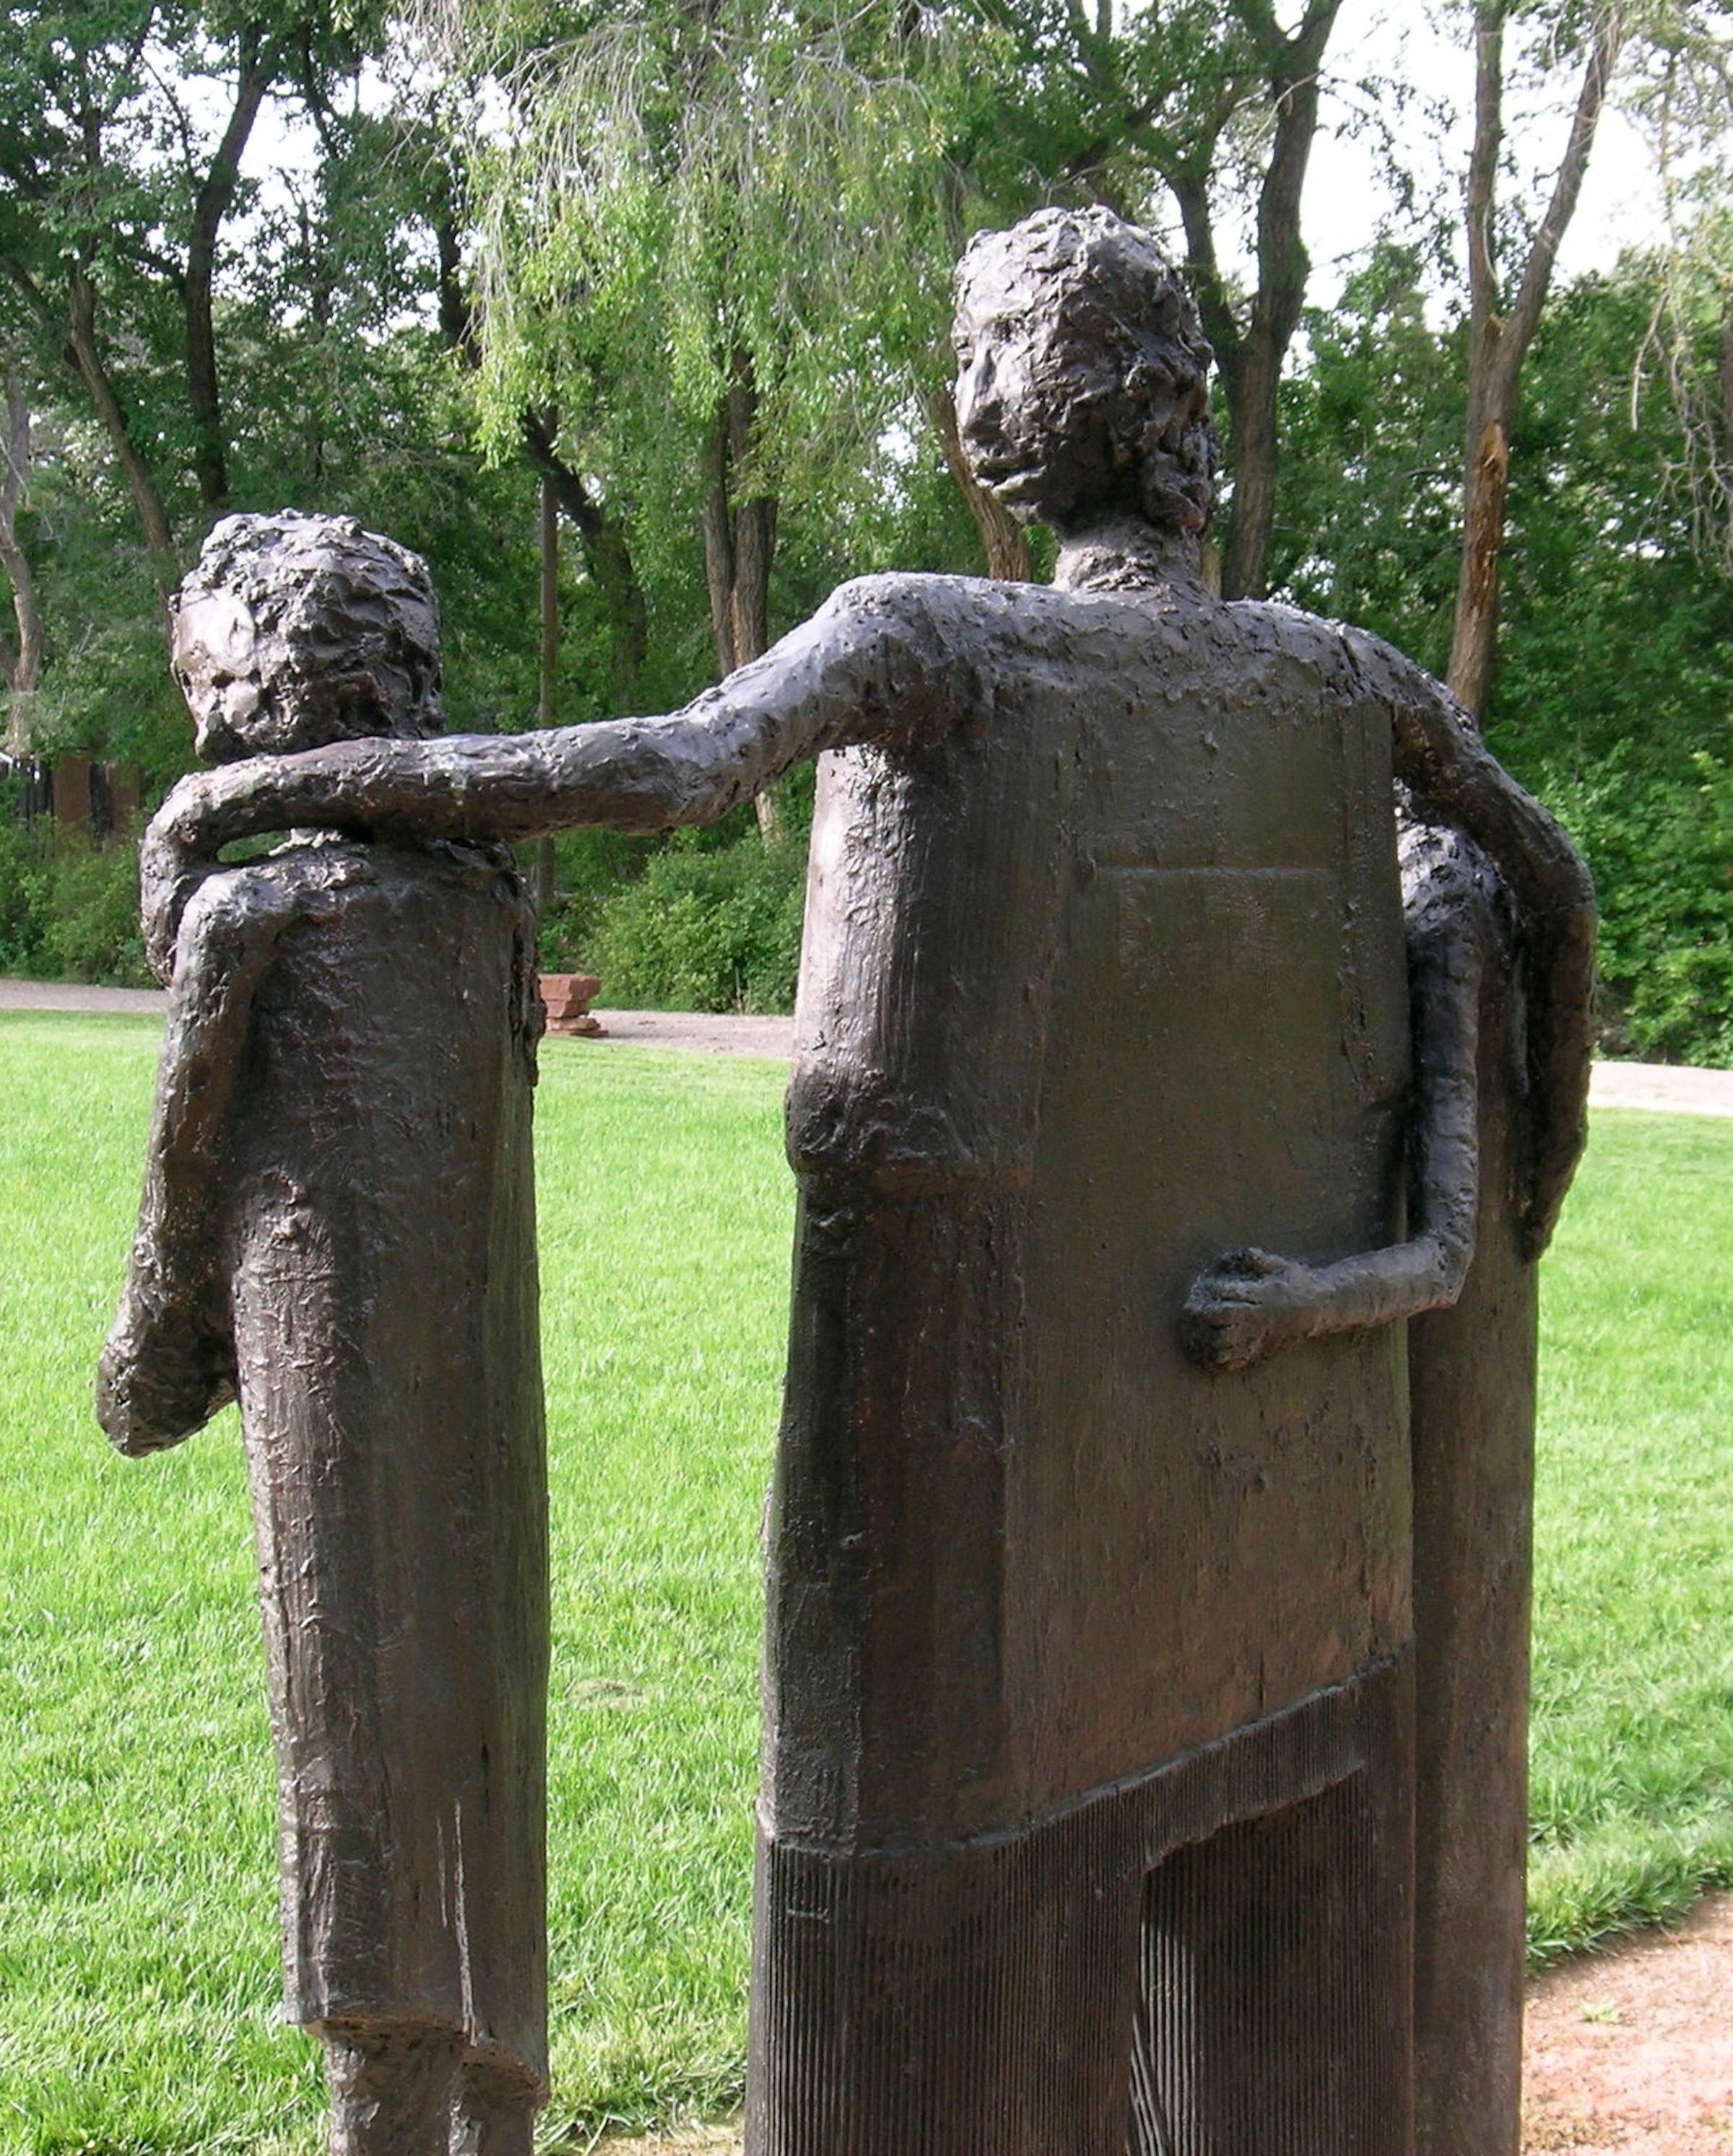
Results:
338 1228
1086 1822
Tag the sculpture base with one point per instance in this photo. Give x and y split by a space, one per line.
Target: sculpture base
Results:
1211 1960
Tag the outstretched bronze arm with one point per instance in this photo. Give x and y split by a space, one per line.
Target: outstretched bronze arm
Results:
864 668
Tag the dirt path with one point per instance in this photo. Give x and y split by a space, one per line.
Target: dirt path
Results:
712 1032
1631 2051
1664 1085
705 1032
73 996
1653 1085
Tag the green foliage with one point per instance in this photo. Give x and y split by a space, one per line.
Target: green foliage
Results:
710 920
1661 848
337 393
1614 694
92 932
689 175
22 881
590 867
68 910
106 691
1368 503
705 928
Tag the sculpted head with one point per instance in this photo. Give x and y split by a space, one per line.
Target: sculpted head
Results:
294 631
1082 389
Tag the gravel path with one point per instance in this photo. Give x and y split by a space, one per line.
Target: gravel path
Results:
1664 1085
700 1031
1633 2050
710 1032
73 996
1616 1084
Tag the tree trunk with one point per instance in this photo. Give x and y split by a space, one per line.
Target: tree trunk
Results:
1003 541
608 557
1251 398
755 521
717 526
1282 268
547 677
739 541
86 357
321 310
210 205
1486 449
1249 353
602 538
457 317
1501 331
22 667
1473 642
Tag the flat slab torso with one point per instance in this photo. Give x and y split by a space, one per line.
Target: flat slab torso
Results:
1109 982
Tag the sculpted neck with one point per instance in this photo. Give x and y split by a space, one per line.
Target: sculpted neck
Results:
1126 554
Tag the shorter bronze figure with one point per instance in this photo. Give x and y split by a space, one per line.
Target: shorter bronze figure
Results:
1251 1303
338 1230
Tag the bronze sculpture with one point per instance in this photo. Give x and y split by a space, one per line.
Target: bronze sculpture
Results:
338 1228
1087 1802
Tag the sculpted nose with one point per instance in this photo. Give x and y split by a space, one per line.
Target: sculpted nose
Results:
979 400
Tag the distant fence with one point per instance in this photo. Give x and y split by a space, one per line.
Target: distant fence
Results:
78 792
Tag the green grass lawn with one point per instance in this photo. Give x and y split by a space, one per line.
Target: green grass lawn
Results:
138 1940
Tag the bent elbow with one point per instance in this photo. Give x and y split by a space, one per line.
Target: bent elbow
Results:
1452 1259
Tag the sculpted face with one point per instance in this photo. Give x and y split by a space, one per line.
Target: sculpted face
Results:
214 660
1032 398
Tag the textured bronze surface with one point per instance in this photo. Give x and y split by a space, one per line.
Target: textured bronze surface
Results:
339 1228
1472 1380
1088 1779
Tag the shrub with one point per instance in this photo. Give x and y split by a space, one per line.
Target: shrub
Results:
23 876
1661 847
92 932
704 928
68 910
591 867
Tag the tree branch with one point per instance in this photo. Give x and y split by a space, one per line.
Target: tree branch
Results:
211 205
456 317
1524 318
1484 296
607 552
21 667
35 298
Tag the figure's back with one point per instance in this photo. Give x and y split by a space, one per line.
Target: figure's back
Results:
1111 980
382 1247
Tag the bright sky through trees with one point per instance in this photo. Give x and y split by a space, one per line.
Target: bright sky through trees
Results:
1417 45
1412 43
